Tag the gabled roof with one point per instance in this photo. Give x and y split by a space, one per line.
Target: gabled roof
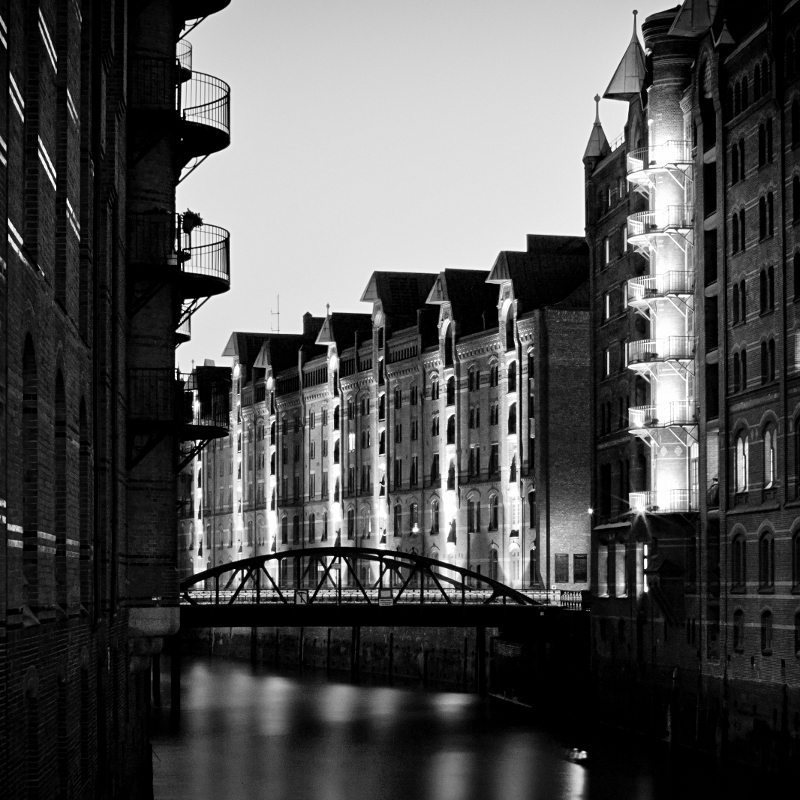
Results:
628 79
244 346
401 294
343 329
552 268
279 351
694 18
597 146
473 302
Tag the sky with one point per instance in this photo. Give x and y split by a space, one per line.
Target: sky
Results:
413 135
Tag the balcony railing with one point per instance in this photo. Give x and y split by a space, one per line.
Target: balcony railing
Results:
663 501
659 222
183 53
206 113
649 287
206 400
205 259
668 348
673 152
663 415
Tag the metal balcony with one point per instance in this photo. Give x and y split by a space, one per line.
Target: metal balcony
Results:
641 290
184 331
205 403
183 53
663 501
666 221
205 114
675 154
663 415
204 256
669 348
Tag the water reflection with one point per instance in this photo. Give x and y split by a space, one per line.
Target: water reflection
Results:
265 735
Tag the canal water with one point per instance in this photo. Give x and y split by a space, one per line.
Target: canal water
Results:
250 733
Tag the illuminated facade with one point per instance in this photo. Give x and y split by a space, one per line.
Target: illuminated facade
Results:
691 221
435 424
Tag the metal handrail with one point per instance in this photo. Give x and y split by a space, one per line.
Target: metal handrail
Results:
206 399
672 282
206 100
663 500
674 151
663 219
205 250
183 53
663 415
667 348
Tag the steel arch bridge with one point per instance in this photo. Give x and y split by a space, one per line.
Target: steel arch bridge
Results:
329 588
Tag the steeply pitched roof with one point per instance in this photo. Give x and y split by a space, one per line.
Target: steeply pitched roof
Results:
597 146
244 346
401 294
472 300
551 269
694 18
628 78
342 329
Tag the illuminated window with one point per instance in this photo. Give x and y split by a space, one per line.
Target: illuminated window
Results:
742 463
606 251
769 456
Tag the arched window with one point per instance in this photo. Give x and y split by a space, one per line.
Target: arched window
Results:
494 512
742 472
533 510
284 529
296 529
398 517
762 291
764 363
451 476
738 630
765 82
336 418
766 633
448 348
494 564
743 300
515 566
739 563
742 229
512 377
762 217
351 523
512 418
757 82
434 388
434 517
743 360
766 562
509 331
471 380
249 532
324 536
312 527
451 429
494 375
735 233
413 518
735 303
769 456
451 391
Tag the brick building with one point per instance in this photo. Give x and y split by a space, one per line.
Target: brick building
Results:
439 431
100 114
692 227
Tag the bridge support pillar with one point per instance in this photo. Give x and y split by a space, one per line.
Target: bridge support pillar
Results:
355 653
175 681
156 661
480 659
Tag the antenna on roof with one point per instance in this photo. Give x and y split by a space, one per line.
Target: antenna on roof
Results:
275 327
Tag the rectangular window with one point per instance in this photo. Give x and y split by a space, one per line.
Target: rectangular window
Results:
398 472
606 251
562 567
580 571
494 459
623 238
398 433
607 306
414 430
312 485
414 470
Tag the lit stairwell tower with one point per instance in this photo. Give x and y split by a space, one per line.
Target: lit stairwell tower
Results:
662 172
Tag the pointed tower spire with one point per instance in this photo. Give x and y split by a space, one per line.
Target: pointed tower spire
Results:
627 81
598 144
694 18
325 336
724 35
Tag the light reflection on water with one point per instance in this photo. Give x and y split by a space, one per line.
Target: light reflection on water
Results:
264 735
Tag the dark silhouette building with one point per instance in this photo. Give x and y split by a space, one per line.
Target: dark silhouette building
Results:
101 114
